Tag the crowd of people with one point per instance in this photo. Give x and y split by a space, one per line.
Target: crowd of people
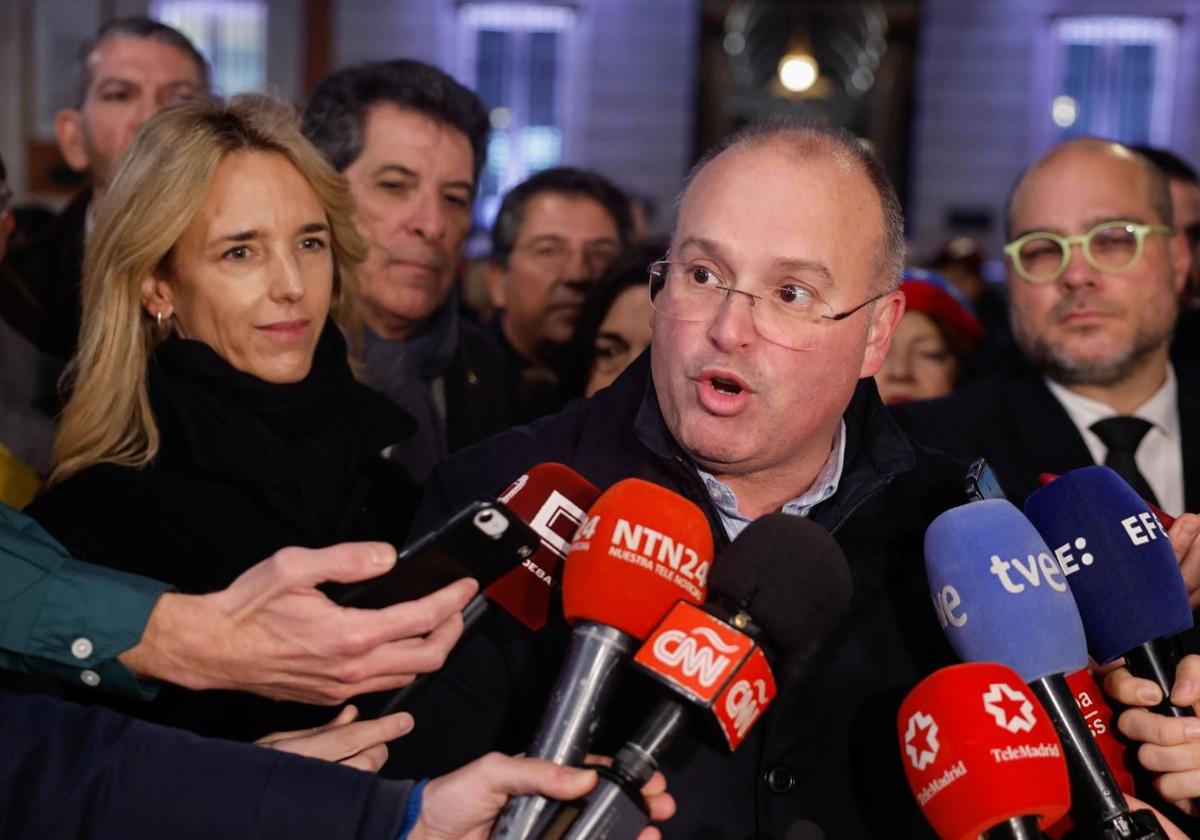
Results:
247 360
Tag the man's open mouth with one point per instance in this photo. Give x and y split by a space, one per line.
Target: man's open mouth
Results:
725 386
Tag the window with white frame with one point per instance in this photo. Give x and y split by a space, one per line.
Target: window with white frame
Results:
512 55
231 34
1115 78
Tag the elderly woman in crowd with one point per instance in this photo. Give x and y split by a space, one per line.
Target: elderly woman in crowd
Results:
213 416
933 350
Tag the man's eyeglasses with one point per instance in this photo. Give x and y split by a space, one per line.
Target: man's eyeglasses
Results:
1042 257
552 254
784 314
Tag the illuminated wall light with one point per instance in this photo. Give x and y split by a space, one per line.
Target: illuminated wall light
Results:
798 73
1064 111
735 43
500 118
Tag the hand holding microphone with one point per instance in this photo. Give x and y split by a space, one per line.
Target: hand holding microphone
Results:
1122 570
1002 596
640 550
781 586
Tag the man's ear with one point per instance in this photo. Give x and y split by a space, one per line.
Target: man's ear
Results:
885 318
157 297
496 281
1181 259
68 131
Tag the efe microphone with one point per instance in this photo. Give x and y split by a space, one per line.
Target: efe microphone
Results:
1001 596
784 583
1122 571
640 549
981 755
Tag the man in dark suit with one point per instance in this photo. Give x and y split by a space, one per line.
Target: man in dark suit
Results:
1095 270
132 68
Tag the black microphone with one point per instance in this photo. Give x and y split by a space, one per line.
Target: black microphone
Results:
784 582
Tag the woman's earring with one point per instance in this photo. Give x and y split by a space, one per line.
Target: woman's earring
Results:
158 319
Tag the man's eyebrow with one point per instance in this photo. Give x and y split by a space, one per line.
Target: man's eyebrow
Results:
401 169
1088 225
805 266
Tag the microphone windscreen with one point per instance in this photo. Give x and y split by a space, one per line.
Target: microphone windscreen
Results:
1000 594
640 549
978 749
552 498
1117 557
790 576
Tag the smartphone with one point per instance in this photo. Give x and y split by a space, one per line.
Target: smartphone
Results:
982 482
483 541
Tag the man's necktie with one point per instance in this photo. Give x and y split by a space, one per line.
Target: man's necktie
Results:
1122 435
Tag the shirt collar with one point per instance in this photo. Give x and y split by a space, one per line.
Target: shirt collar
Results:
822 488
1161 410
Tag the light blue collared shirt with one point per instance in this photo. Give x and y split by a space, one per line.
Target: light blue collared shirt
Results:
825 485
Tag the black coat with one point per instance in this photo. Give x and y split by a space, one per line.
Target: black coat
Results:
1014 421
243 470
66 771
826 751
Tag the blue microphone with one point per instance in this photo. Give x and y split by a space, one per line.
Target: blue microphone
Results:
1122 571
1001 596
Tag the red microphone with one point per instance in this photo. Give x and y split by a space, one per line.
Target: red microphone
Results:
552 499
1101 723
981 754
716 667
640 550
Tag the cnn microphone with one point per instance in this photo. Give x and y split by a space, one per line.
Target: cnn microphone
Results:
640 549
1001 596
981 755
783 582
1122 571
552 499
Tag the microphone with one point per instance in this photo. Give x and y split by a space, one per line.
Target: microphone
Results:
981 755
1122 571
783 583
1002 597
640 549
552 499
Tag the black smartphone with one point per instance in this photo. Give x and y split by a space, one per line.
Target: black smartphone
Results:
982 482
483 541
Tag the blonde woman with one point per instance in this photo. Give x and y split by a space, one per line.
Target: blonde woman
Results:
213 416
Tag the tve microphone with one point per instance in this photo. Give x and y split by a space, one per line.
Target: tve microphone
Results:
552 498
1122 571
783 583
1002 597
641 549
981 755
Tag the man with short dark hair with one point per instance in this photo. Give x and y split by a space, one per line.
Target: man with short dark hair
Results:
774 308
554 235
411 141
132 67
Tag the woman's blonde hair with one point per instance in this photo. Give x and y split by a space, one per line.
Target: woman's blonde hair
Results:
161 183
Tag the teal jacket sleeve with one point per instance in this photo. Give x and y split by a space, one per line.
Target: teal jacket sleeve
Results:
65 618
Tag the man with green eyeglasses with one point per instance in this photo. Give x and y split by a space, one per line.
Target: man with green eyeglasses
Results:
1095 268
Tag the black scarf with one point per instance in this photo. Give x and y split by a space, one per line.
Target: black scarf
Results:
300 447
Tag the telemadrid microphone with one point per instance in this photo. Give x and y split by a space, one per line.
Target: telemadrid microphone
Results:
783 584
981 755
1001 596
641 549
552 499
1122 571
